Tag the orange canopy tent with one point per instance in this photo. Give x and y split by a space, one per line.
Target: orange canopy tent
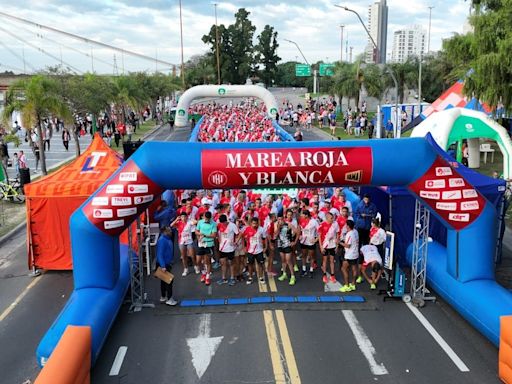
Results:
51 200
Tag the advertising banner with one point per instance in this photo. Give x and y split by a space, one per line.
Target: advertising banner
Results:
286 167
389 250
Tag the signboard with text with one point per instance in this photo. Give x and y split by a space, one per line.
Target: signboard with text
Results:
286 167
326 69
302 70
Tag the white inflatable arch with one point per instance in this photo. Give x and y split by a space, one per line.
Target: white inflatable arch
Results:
189 95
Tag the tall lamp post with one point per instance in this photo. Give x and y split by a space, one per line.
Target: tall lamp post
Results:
396 132
429 26
217 43
182 63
341 43
306 60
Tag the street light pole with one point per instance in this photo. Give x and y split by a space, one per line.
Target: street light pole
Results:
341 41
387 68
182 61
429 26
217 44
307 62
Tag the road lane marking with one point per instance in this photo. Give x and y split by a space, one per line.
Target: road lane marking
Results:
364 343
13 305
118 361
272 284
438 338
293 372
273 346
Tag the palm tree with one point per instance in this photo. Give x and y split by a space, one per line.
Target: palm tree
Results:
406 75
347 81
36 98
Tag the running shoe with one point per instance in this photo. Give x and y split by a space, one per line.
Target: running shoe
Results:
163 299
272 273
292 280
196 270
352 287
373 286
304 273
249 281
171 302
296 268
359 279
207 281
262 280
232 282
185 272
222 281
216 265
283 277
333 279
315 265
345 288
203 277
324 279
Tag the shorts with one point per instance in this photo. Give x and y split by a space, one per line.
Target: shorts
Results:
308 247
351 261
259 257
240 251
186 246
229 255
203 251
329 252
361 259
285 250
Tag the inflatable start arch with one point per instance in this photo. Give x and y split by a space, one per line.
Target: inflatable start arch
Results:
101 273
229 91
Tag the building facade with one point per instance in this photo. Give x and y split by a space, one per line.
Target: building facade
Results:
408 42
378 28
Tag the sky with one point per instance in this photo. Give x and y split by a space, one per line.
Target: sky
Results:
152 28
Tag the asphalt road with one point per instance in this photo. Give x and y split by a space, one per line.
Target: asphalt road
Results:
289 343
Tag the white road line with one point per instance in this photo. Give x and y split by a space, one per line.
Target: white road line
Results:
438 338
19 298
118 361
364 343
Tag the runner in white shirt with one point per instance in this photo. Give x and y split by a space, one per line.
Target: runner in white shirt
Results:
256 245
351 245
328 235
308 234
372 259
227 232
185 228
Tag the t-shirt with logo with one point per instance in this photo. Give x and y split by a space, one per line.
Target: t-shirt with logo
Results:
352 239
227 232
371 253
185 230
327 233
206 229
309 231
377 236
284 237
254 239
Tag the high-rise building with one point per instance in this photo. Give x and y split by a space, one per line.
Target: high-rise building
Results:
408 42
378 28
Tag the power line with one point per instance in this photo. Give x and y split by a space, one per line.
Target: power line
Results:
17 56
40 49
84 39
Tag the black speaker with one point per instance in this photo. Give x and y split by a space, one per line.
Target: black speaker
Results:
129 147
24 176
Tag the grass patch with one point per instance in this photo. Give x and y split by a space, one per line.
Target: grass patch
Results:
11 215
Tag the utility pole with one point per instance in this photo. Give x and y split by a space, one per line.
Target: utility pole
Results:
341 43
351 48
92 61
24 62
429 26
182 71
217 44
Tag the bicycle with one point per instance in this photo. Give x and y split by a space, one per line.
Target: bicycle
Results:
12 191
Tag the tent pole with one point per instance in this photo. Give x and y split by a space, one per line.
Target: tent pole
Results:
390 212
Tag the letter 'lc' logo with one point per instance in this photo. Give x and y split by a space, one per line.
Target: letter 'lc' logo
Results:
92 161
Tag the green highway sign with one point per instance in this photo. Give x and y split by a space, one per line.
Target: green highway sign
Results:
326 69
302 70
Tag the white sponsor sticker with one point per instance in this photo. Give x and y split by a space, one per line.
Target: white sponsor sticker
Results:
115 188
113 224
469 205
98 213
459 217
469 193
433 195
128 176
443 171
501 188
123 212
99 201
457 182
143 199
118 201
446 206
138 188
430 184
452 195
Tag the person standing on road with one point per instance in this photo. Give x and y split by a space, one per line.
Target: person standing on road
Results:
328 233
389 129
285 244
256 246
206 232
363 215
351 245
22 160
164 259
227 232
185 227
308 235
65 138
117 137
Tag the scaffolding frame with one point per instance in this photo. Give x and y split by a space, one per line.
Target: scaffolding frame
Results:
138 297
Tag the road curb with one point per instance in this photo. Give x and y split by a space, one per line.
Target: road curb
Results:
5 238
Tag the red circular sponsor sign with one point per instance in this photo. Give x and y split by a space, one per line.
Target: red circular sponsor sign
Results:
218 178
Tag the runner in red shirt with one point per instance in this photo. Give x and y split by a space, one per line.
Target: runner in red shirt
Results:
328 236
308 235
185 242
256 245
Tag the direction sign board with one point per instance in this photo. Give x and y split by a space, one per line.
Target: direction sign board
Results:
302 70
326 69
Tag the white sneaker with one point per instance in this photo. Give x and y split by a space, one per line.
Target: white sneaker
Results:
185 272
163 299
171 302
196 270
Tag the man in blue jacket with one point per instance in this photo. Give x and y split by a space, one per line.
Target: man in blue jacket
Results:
164 260
165 215
363 216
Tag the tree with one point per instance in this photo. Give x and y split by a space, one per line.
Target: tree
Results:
347 81
200 70
373 81
266 54
36 98
406 74
437 76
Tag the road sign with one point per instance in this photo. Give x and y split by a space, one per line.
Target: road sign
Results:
302 70
326 69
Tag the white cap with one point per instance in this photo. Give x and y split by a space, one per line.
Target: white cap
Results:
206 200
